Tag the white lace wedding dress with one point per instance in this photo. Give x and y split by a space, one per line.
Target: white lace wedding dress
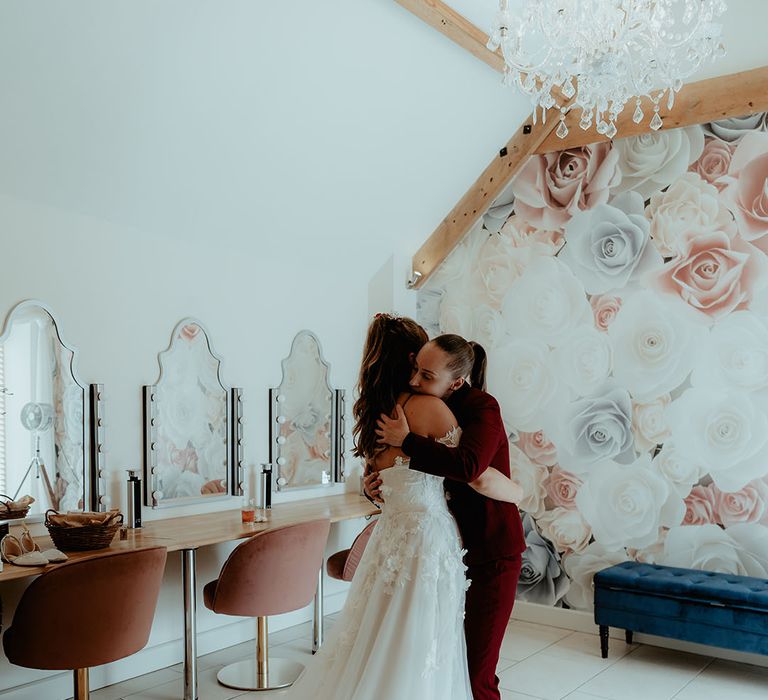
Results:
401 633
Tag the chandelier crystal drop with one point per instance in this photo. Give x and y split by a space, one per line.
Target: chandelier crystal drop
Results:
597 55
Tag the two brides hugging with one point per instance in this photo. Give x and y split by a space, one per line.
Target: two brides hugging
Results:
432 596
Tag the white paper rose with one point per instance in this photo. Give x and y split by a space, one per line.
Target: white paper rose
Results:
565 529
736 354
680 471
459 262
690 204
726 433
654 345
531 477
583 362
582 566
741 550
520 375
650 555
497 264
626 505
593 429
732 129
608 245
456 313
488 327
546 303
649 423
650 162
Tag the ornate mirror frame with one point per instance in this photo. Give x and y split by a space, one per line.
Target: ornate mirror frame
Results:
230 431
281 429
93 475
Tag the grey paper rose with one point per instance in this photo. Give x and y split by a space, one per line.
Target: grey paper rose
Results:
608 245
542 579
731 130
596 428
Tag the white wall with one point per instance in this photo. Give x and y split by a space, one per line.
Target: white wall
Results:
252 164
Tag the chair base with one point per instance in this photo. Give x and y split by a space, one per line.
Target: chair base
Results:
82 691
243 675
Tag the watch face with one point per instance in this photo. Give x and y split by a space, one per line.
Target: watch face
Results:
37 416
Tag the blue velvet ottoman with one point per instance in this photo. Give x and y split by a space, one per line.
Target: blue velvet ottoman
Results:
698 606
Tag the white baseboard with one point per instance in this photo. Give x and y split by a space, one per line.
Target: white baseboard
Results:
152 658
580 621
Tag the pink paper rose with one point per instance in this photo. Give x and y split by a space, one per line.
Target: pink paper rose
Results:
522 235
689 204
714 162
747 193
648 423
750 505
190 331
538 448
552 187
700 506
714 273
605 308
562 487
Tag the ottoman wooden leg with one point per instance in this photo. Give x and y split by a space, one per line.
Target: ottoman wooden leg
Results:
604 641
628 636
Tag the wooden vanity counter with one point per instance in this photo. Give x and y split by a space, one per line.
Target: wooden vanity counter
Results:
194 531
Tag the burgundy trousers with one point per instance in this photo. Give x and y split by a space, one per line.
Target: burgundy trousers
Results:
488 608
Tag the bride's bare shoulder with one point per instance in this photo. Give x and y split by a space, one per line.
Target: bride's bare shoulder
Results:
428 415
419 401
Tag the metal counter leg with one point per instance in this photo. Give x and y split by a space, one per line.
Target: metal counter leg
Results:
188 583
317 623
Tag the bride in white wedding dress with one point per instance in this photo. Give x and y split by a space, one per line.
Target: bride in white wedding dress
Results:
401 633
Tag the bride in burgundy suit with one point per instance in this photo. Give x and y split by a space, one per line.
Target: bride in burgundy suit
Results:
401 633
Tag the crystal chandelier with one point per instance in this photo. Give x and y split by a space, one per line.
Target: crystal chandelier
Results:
596 55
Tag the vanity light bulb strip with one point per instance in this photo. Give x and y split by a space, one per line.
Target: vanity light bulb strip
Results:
96 498
339 443
152 495
237 476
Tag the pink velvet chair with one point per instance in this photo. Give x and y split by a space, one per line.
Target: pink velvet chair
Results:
273 572
87 613
343 564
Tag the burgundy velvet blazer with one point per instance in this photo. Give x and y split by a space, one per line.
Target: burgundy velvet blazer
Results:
490 529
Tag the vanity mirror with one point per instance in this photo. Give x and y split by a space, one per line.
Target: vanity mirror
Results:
192 435
51 436
306 420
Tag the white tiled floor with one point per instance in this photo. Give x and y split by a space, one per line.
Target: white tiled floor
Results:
537 663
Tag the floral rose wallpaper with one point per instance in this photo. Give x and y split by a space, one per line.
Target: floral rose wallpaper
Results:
621 291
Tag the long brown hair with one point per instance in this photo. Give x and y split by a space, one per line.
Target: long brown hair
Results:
384 375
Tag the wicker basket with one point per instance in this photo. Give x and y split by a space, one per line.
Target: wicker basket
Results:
6 513
80 539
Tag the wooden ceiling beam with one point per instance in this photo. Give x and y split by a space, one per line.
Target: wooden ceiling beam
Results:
697 103
479 198
456 27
